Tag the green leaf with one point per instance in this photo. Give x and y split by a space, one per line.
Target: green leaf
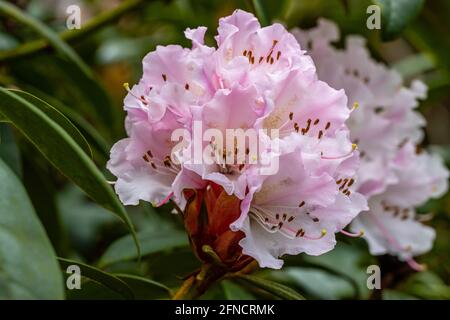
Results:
414 64
63 152
317 283
19 15
277 289
151 242
84 220
346 262
165 266
426 285
260 12
396 15
93 290
91 92
235 292
9 151
28 266
108 280
42 193
144 288
389 294
94 138
57 117
80 92
76 65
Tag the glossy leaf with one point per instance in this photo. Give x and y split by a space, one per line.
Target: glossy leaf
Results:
260 12
92 135
28 266
276 289
151 242
315 282
235 292
144 288
42 194
78 91
93 290
57 117
108 280
396 15
9 151
62 151
84 220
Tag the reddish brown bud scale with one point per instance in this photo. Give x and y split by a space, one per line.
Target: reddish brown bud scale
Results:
207 218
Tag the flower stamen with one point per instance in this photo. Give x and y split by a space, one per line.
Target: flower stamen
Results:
141 98
353 235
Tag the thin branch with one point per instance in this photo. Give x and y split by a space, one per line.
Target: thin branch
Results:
71 35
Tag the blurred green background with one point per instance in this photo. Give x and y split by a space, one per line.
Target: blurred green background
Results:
114 37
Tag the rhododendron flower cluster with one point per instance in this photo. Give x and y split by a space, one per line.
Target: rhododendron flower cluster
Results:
396 175
257 80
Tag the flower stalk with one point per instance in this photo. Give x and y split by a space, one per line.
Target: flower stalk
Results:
197 284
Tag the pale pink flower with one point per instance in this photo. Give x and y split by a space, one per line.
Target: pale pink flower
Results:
300 208
386 128
256 79
144 167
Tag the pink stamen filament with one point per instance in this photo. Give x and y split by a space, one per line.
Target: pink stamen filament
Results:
386 233
424 217
160 167
127 87
260 215
353 235
165 200
288 121
293 208
342 156
411 262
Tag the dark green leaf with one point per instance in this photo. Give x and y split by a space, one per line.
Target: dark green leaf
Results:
84 220
93 290
68 84
144 288
151 242
277 289
9 151
28 266
165 266
426 285
260 12
317 283
396 15
108 280
91 134
235 292
62 151
42 195
389 294
414 65
347 262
